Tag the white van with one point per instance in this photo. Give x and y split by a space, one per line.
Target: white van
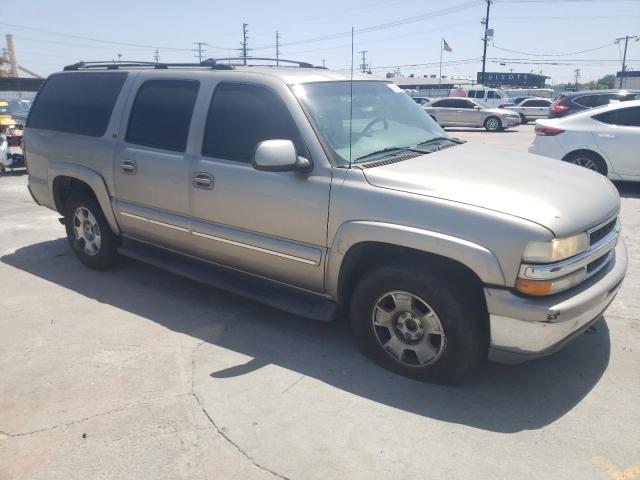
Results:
489 97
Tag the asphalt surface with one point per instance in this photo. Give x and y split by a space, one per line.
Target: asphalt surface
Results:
136 373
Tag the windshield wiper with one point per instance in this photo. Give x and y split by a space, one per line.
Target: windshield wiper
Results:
384 150
439 139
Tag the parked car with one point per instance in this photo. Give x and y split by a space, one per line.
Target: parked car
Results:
531 109
512 101
309 192
573 102
421 100
487 97
462 112
605 139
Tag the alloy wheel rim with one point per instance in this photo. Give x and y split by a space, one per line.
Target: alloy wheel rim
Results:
86 231
586 163
492 123
408 329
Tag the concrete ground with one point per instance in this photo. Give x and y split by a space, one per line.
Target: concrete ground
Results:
136 373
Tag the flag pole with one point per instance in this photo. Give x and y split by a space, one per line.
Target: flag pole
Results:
440 76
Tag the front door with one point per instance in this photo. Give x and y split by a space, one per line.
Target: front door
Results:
151 166
273 224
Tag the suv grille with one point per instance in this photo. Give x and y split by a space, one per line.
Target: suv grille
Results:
599 233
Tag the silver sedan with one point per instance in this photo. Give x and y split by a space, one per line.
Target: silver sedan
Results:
463 112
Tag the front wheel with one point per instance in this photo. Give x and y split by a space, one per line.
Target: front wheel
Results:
417 323
88 232
493 124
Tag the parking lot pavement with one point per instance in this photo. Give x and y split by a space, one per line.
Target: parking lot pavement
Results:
137 373
517 138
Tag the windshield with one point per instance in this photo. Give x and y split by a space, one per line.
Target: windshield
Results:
14 107
385 118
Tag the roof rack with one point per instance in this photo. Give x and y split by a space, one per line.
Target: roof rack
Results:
86 65
212 63
268 59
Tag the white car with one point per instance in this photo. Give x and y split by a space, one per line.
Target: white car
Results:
531 109
605 139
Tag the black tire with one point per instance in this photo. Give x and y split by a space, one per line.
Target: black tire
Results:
106 255
589 160
489 124
523 120
462 319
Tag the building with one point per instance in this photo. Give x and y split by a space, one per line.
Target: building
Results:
630 79
512 79
431 85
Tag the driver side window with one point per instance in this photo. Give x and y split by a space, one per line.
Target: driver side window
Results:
241 116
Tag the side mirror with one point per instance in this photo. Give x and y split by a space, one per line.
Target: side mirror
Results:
477 107
279 156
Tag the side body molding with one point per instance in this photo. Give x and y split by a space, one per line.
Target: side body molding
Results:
91 178
476 257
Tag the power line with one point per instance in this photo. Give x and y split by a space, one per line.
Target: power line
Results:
552 54
382 26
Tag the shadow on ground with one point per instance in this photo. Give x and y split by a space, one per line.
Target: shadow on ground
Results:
501 399
628 189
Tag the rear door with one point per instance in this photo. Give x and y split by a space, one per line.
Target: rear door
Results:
151 166
444 111
535 108
619 139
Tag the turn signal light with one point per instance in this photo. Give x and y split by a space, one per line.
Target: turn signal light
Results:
547 131
534 287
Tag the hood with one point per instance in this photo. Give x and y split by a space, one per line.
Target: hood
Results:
560 196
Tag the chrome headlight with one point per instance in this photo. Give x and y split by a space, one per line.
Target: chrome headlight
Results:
556 249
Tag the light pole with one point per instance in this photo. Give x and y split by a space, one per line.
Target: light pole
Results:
624 57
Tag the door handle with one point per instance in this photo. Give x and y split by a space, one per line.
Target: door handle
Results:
129 167
606 135
203 180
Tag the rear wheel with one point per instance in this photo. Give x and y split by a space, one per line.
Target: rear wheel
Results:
417 323
88 232
589 160
523 119
493 124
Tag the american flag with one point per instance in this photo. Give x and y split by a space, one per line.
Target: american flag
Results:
445 46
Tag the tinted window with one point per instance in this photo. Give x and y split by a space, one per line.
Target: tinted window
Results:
241 116
472 94
468 104
450 103
627 117
596 100
161 114
492 94
536 103
77 103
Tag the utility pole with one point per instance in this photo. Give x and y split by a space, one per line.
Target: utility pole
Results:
485 22
324 63
200 51
119 57
156 56
577 75
245 37
624 57
277 48
363 65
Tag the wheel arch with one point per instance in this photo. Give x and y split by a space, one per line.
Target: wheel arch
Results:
65 177
589 151
359 244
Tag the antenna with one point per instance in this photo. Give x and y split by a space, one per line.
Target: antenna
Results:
351 99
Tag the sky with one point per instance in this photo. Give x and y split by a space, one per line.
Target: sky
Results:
543 35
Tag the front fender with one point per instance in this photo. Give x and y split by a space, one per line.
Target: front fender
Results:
91 178
479 259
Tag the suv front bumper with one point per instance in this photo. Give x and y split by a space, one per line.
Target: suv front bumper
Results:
523 328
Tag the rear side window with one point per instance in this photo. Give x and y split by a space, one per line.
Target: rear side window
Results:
448 103
596 100
78 103
536 103
626 117
241 116
492 94
161 114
